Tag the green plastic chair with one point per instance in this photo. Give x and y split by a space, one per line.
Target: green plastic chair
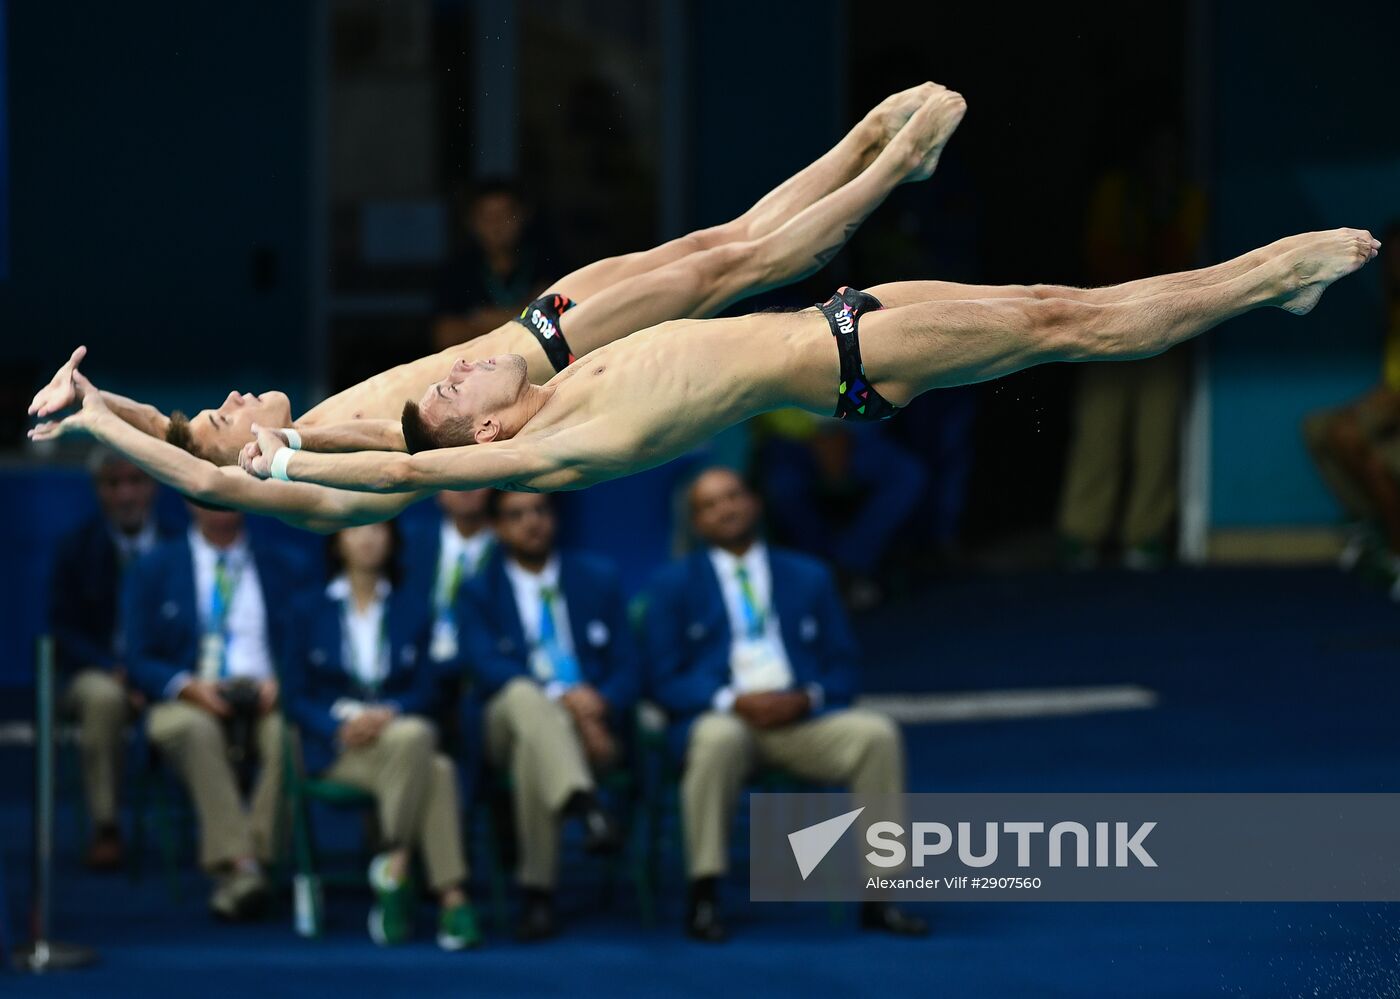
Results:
301 791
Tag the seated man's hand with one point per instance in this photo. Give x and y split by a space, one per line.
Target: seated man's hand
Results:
598 744
59 393
267 696
365 728
772 708
584 702
205 695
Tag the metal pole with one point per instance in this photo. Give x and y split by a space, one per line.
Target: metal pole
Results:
44 954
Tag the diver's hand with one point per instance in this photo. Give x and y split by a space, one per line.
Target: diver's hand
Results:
59 393
86 420
254 462
256 456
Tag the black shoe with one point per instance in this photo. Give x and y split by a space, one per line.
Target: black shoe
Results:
703 922
600 831
536 918
890 919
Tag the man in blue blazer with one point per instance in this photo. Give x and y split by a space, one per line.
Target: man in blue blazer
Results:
201 617
546 637
754 660
87 572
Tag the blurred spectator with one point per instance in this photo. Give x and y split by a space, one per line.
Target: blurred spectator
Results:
88 567
1357 446
754 660
1143 221
549 645
358 684
498 271
201 616
840 492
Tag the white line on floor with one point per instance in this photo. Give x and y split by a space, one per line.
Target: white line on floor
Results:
987 705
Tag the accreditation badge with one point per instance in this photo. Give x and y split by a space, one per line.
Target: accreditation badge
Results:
211 656
444 644
758 666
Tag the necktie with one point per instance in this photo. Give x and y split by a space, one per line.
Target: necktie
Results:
565 666
753 617
454 581
219 601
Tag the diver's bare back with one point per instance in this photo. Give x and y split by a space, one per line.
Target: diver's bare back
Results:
642 401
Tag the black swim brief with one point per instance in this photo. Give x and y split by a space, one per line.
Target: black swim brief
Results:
856 398
541 317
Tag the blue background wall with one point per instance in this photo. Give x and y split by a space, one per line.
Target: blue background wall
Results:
1330 159
159 151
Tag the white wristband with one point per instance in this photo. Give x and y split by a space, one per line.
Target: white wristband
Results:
293 438
279 463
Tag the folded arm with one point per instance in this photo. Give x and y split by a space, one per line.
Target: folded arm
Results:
519 467
355 435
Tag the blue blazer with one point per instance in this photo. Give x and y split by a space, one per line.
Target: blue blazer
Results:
160 622
492 639
422 547
688 640
315 674
83 602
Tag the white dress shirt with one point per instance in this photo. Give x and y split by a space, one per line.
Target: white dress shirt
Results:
129 546
364 650
246 650
527 587
756 662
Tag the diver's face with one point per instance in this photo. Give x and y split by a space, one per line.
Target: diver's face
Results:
474 389
220 434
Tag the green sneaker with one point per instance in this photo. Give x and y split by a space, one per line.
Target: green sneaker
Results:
457 929
391 919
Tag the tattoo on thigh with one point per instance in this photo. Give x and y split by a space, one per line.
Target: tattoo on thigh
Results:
824 257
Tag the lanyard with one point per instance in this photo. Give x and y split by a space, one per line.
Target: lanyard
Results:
563 666
450 576
755 618
221 597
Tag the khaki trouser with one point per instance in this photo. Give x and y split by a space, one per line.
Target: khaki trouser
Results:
193 741
98 700
1126 428
859 749
534 739
416 788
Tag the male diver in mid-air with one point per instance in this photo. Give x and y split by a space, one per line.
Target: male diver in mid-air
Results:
640 401
788 234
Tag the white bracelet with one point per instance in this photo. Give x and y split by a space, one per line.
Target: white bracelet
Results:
293 438
279 463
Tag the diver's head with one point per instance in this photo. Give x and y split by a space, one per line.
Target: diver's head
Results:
218 435
468 406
